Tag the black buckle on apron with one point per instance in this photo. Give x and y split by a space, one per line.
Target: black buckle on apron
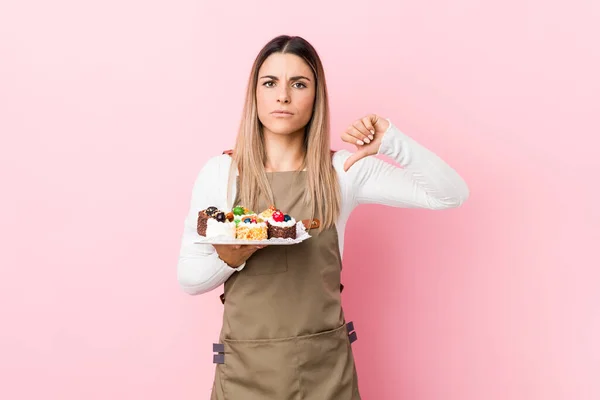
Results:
351 332
219 358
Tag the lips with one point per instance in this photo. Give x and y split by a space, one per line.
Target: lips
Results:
282 112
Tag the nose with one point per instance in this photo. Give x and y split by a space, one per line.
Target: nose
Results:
284 96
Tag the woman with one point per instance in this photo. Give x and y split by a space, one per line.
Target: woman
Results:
284 335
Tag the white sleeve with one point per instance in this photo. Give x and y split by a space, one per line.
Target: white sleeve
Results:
423 181
200 269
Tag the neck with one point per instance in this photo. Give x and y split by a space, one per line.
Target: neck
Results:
284 152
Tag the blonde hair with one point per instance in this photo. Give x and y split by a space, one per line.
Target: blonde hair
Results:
249 154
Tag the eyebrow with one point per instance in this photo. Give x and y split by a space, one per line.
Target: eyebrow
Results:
293 78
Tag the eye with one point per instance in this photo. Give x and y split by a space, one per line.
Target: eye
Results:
302 85
267 83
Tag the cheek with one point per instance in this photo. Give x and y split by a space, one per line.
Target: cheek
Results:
263 101
260 100
306 105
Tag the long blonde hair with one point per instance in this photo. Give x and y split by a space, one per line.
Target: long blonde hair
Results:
249 154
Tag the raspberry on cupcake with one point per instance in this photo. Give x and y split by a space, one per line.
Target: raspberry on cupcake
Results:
281 225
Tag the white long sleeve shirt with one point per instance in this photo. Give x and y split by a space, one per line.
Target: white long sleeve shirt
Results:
423 181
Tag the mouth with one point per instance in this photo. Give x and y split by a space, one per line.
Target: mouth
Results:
282 113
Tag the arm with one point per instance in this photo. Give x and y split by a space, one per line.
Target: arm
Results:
200 269
424 181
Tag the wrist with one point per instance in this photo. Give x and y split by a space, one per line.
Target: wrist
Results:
227 262
231 265
384 124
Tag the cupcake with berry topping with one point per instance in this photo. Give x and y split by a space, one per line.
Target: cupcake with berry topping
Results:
221 224
214 222
240 213
251 227
203 217
281 225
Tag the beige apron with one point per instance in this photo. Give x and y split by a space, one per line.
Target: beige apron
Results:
284 336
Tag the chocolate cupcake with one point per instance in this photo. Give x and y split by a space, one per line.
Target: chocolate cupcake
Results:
280 225
203 217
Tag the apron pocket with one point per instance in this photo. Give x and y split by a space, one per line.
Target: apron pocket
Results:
269 260
311 367
260 370
326 366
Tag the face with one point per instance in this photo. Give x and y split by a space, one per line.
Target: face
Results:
285 82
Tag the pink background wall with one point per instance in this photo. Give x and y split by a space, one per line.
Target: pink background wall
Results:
108 110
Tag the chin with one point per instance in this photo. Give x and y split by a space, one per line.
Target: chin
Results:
283 127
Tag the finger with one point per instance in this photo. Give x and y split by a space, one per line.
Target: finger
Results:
249 249
359 137
364 133
246 248
225 247
360 126
356 132
352 159
346 137
368 123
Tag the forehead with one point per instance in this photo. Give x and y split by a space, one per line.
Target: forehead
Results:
285 65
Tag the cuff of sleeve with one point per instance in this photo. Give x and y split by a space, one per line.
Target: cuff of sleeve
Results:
395 144
227 266
386 140
241 267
